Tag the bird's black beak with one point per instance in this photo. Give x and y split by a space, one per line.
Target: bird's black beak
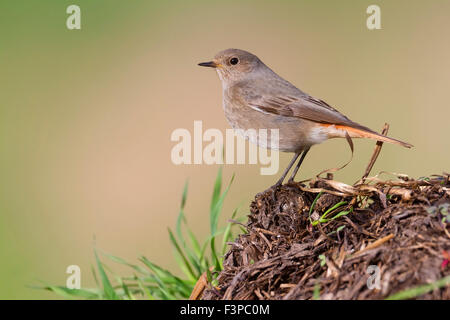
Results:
210 64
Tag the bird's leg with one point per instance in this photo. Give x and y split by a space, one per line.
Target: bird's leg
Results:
273 188
294 173
280 181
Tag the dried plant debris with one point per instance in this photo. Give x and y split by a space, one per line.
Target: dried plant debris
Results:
374 240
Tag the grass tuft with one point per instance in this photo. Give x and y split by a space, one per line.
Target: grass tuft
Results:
150 281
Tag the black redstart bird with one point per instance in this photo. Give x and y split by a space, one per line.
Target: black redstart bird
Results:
255 97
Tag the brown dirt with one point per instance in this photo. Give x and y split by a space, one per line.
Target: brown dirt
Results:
400 225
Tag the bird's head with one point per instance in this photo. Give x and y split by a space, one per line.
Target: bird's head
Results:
234 64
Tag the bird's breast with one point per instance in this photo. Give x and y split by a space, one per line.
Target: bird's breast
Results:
293 134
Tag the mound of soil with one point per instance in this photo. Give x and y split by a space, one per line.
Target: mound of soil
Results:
335 241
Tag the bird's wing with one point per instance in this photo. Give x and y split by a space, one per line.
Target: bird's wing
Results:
309 108
305 107
290 102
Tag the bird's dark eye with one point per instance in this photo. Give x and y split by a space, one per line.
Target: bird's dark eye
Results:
234 61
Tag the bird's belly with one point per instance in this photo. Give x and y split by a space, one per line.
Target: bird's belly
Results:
293 133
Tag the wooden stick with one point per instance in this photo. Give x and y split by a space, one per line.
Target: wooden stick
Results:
375 244
375 155
200 286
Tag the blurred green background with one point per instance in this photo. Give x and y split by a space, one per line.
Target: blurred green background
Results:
86 115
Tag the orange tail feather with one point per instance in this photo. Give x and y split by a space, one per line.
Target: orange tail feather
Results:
367 133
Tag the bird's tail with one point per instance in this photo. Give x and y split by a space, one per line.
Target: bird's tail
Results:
367 133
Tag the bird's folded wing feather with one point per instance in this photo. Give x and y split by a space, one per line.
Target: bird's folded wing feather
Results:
305 107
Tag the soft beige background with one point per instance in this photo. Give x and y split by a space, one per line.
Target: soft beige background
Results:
86 116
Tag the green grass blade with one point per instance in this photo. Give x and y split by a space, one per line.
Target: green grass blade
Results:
163 288
209 275
107 287
166 275
94 274
125 263
313 205
192 254
420 290
214 200
316 292
74 293
217 207
342 213
127 294
337 205
323 217
144 289
215 258
192 275
217 189
227 233
181 217
195 243
184 195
